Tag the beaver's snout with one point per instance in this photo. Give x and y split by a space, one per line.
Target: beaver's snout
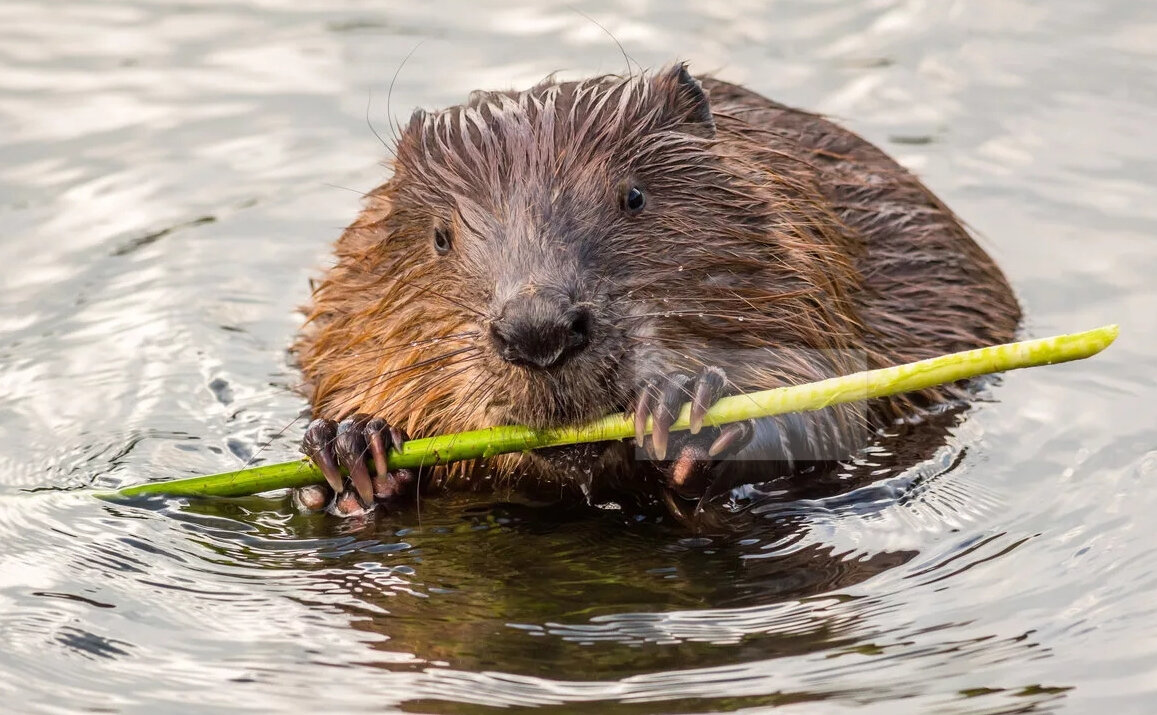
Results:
540 331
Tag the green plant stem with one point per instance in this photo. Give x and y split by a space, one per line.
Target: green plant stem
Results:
796 398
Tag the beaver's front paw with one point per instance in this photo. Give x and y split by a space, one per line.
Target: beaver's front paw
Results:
695 452
333 446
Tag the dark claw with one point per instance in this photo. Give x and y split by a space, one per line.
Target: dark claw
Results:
678 510
376 431
317 445
691 469
350 448
398 437
690 473
335 446
708 388
387 484
673 397
643 410
732 438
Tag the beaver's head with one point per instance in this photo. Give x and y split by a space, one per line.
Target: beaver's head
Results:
537 253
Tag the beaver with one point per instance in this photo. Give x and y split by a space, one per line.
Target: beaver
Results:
630 243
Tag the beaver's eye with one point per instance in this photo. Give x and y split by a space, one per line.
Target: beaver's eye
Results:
633 200
442 240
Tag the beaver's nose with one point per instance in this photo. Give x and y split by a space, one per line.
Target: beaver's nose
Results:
536 331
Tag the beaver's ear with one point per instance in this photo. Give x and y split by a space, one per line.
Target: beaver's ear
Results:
686 101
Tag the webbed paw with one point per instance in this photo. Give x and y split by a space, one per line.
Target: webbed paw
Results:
686 458
333 446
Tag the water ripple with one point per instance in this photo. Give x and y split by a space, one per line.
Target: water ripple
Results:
167 190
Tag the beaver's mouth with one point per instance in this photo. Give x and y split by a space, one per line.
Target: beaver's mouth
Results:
561 398
550 413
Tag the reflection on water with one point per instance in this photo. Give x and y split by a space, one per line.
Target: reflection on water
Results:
172 175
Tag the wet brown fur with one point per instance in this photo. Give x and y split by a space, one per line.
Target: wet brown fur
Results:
774 244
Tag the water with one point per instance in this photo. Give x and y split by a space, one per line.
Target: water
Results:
171 174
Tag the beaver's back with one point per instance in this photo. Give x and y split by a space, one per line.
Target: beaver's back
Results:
927 287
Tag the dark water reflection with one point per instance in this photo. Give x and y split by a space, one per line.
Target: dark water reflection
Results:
171 175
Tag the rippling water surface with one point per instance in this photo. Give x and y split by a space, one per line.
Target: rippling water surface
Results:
171 174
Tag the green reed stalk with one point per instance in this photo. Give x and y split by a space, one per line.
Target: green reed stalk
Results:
796 398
